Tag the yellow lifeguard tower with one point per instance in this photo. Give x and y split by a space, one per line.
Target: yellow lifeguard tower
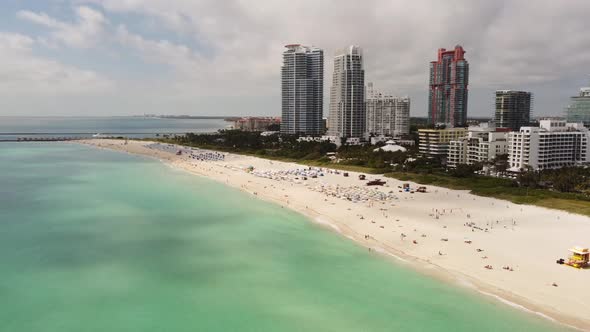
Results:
580 257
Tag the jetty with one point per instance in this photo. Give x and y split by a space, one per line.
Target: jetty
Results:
54 137
45 139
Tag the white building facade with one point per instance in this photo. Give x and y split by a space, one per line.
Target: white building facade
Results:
347 117
554 144
386 115
482 144
331 139
435 142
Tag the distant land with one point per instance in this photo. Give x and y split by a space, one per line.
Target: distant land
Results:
201 117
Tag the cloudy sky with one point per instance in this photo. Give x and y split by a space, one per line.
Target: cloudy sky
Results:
223 57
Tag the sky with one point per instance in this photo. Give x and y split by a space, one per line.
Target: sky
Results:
223 57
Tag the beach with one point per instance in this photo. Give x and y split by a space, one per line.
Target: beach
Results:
448 234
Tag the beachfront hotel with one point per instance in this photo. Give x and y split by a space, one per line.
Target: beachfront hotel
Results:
255 123
554 144
578 109
513 109
347 117
482 144
449 78
435 142
302 79
386 115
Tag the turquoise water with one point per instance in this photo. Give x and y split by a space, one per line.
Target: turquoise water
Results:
94 240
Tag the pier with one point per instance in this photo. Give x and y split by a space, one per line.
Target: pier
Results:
58 137
46 139
53 138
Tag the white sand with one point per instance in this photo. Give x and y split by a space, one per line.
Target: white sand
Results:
527 238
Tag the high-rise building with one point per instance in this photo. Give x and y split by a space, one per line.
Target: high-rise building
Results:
449 77
554 144
579 108
302 77
387 115
347 95
513 109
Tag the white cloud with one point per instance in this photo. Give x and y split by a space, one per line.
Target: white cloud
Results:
41 18
24 74
197 75
86 32
232 48
509 42
161 51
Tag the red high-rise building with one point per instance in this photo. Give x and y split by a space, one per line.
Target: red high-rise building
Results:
449 77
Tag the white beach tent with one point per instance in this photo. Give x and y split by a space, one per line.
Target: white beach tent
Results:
390 146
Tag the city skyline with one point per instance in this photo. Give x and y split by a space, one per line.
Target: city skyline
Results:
105 57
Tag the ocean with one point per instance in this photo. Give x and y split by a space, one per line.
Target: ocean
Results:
11 128
96 240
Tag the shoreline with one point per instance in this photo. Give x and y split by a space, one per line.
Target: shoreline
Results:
333 214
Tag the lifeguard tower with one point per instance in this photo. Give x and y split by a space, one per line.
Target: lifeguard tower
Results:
580 258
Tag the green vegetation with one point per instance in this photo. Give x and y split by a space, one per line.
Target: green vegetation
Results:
287 148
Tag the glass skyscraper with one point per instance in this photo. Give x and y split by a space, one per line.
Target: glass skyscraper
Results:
449 77
302 78
579 108
347 95
513 109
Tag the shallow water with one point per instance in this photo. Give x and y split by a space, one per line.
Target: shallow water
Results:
94 240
